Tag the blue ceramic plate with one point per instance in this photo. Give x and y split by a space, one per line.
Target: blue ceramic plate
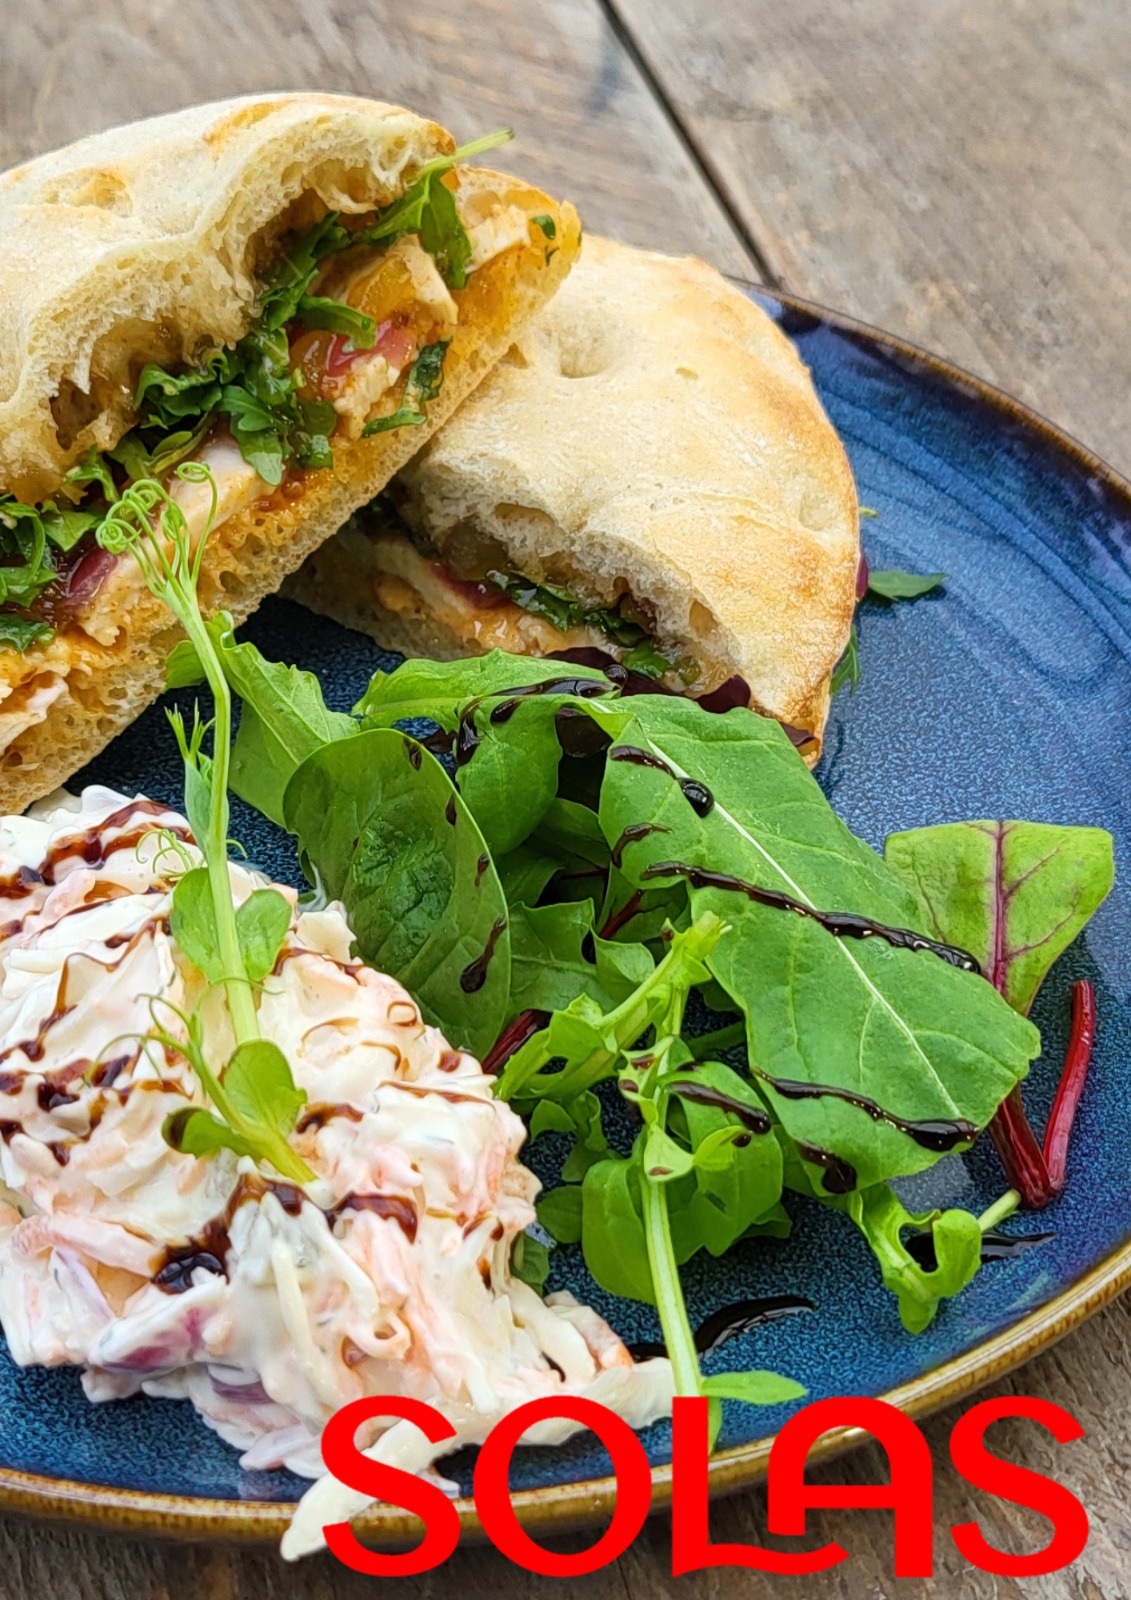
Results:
1007 694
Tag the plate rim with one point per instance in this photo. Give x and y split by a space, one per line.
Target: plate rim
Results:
560 1507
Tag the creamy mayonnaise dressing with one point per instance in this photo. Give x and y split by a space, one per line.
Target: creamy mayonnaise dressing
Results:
266 1305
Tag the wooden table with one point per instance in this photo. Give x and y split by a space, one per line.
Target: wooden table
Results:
953 170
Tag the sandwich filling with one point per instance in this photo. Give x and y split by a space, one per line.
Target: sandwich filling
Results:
470 587
351 328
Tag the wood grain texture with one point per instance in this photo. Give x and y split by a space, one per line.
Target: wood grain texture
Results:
952 170
586 125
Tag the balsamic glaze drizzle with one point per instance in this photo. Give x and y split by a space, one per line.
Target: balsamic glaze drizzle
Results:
474 975
838 1175
640 758
698 796
841 924
996 1246
637 830
730 1321
938 1134
702 1094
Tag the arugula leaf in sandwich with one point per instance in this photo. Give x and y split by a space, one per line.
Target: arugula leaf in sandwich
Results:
293 291
648 476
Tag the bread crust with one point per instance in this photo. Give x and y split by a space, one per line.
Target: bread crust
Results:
656 431
96 690
152 234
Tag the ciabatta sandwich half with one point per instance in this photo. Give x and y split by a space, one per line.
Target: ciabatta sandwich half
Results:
294 290
649 473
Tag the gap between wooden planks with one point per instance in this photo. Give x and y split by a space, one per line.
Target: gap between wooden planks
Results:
952 170
587 125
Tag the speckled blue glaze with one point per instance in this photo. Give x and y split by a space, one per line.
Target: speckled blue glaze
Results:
1007 694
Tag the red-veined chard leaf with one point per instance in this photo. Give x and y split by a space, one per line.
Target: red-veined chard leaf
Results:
1015 894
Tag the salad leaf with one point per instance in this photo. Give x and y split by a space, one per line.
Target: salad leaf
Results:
1015 894
846 673
590 1040
260 1107
894 584
424 382
565 611
754 1388
380 822
914 1039
511 780
957 1238
21 633
530 1261
549 968
319 311
284 717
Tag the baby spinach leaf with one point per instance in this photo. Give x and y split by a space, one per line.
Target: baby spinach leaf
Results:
525 872
1015 894
373 815
530 1261
895 584
734 1186
923 1040
508 769
283 718
612 1229
559 1212
591 1040
442 690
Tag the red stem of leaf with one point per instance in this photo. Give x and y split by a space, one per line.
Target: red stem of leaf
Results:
1038 1175
626 913
1066 1104
513 1037
1020 1153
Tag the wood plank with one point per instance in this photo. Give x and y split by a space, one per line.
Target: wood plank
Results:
955 172
586 124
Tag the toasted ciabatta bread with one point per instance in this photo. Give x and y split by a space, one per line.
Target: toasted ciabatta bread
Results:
652 443
152 243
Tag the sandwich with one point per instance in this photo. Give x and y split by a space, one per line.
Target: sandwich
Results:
265 305
647 478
